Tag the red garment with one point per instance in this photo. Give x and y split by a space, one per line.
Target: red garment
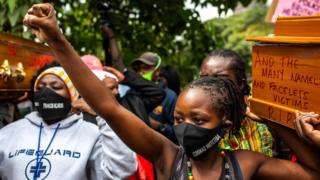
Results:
294 158
144 171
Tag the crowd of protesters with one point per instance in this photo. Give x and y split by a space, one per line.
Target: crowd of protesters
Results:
91 121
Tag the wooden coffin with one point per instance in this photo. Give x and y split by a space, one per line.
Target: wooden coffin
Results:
19 61
286 70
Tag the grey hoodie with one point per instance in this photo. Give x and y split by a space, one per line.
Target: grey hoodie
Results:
78 150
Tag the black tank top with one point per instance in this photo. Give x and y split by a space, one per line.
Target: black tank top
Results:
180 167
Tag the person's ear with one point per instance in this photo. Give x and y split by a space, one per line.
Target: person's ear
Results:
227 125
243 85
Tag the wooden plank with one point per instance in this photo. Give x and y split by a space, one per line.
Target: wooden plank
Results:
303 26
286 39
285 79
294 30
273 112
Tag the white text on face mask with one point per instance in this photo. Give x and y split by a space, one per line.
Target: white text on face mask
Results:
212 142
53 106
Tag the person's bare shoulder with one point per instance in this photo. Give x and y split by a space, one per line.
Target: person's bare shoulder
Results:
249 162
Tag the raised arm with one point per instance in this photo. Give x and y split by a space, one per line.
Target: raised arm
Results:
150 93
117 61
41 18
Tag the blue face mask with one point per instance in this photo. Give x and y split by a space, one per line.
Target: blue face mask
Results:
196 140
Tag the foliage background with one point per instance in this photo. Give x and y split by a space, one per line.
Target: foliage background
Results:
232 32
167 27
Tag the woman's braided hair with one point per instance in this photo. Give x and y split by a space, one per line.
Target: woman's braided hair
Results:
225 95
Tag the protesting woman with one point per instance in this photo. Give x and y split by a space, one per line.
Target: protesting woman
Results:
206 109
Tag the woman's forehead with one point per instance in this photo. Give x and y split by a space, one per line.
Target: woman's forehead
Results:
194 98
50 78
194 102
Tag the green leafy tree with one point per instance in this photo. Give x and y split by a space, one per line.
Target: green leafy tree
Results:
233 31
163 26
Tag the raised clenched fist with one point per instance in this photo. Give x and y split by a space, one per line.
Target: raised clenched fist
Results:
41 18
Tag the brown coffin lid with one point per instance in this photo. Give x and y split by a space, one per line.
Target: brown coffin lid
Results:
294 30
5 37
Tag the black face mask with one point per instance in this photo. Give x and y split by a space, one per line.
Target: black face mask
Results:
50 105
196 140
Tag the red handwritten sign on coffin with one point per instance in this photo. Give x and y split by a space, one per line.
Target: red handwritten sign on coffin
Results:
284 79
286 70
